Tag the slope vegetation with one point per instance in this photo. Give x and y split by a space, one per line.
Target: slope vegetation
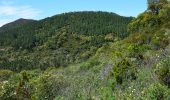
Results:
133 68
59 40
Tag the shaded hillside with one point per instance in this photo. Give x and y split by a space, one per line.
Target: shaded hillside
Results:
16 24
19 33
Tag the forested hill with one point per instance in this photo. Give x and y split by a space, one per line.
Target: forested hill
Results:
61 39
16 24
87 23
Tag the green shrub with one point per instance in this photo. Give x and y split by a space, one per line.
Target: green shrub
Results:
156 92
5 75
136 50
8 90
159 40
23 87
106 93
162 71
89 64
124 70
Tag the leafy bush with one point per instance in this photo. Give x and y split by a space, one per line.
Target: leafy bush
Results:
124 70
89 64
159 40
136 51
5 75
156 92
8 90
106 93
162 70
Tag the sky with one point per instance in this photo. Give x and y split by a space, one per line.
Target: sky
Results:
11 10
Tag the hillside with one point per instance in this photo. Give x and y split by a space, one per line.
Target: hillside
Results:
18 23
59 40
133 67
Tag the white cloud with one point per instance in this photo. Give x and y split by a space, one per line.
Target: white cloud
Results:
18 11
7 10
10 12
5 21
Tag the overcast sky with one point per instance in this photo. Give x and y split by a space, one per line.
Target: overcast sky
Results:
11 10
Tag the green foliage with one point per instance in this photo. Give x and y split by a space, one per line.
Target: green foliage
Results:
22 34
144 22
124 70
157 5
121 69
106 93
156 92
59 40
136 51
8 90
23 88
160 40
28 34
89 64
162 69
5 75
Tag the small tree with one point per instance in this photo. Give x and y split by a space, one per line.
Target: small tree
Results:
124 70
152 6
156 5
22 90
